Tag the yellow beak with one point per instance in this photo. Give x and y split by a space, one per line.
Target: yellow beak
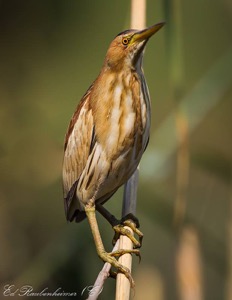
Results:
146 33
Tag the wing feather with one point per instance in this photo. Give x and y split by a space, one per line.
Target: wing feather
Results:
79 141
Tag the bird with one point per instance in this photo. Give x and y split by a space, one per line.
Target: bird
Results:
106 138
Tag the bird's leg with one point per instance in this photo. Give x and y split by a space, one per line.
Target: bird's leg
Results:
130 220
107 257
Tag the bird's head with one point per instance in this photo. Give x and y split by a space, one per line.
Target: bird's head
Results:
126 50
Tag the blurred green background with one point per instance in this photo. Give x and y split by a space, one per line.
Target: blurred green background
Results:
50 52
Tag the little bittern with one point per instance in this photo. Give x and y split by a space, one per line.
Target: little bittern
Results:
107 136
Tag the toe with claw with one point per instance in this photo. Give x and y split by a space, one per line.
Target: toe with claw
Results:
110 258
131 222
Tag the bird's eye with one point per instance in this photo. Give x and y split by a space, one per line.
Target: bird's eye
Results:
125 41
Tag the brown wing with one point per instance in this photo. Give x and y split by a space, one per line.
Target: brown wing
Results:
79 141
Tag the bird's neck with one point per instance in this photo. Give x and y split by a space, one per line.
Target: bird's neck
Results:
138 64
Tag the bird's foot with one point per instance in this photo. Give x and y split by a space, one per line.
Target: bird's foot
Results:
121 252
132 222
110 258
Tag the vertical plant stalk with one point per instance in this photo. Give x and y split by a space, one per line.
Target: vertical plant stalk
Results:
138 17
182 172
181 119
138 20
123 285
138 14
189 266
188 255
